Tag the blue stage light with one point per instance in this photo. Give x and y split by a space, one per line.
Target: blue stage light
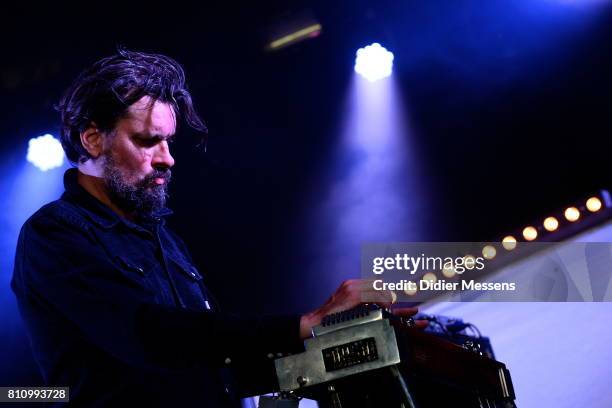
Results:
45 152
374 62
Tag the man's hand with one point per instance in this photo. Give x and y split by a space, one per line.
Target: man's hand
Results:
350 294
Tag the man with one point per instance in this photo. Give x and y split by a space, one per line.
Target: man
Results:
114 306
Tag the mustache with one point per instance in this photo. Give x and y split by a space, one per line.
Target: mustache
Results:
165 174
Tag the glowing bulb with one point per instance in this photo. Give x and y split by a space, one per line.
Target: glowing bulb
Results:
572 214
45 152
551 224
509 242
530 233
489 252
410 291
593 204
448 270
430 276
374 62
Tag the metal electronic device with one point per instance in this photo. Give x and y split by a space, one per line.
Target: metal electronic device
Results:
367 357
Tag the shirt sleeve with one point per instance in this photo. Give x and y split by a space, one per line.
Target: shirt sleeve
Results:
61 264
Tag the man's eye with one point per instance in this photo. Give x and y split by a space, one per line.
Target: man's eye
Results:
147 141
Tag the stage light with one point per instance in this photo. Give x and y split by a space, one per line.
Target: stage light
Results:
572 214
530 233
509 242
430 276
368 204
374 62
45 152
489 252
551 224
593 204
582 213
448 270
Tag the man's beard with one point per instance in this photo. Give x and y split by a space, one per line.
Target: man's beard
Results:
143 197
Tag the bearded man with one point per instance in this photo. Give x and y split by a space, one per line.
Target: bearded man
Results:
114 306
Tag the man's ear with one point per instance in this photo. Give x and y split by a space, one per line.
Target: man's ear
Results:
92 140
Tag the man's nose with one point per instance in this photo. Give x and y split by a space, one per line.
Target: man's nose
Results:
162 157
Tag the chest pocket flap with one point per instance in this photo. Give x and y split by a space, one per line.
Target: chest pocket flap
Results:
185 267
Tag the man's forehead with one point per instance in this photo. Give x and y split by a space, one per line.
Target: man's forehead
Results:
156 119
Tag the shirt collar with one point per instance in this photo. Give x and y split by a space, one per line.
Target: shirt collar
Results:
97 211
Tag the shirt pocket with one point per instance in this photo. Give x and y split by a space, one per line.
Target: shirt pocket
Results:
190 283
131 266
149 277
139 274
186 269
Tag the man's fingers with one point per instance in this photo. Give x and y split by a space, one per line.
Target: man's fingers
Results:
362 285
383 298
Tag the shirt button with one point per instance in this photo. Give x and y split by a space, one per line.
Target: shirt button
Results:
228 360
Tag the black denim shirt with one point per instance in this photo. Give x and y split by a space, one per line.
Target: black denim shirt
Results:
117 311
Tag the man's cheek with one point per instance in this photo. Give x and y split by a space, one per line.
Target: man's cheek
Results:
139 168
145 156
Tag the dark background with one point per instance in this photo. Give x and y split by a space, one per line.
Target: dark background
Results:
509 103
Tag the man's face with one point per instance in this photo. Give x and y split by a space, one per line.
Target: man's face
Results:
137 158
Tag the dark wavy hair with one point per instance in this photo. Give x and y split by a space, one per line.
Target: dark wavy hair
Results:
103 93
